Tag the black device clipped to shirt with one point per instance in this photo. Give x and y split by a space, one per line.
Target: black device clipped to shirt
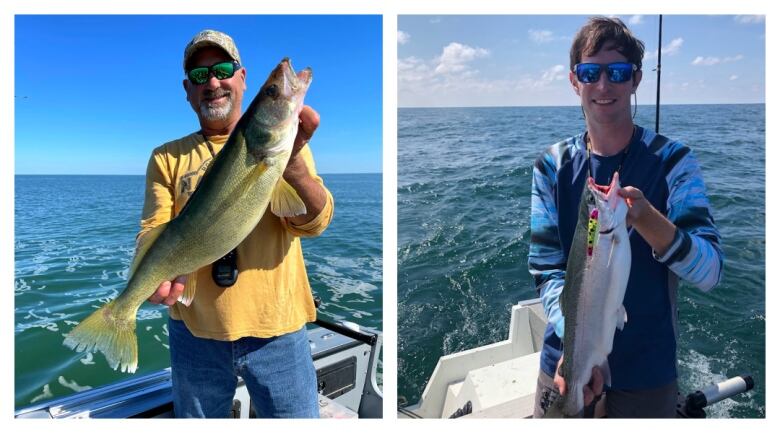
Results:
225 270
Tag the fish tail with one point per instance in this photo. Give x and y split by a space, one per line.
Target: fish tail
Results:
110 330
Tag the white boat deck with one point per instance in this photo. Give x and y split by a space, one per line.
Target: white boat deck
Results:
498 379
507 385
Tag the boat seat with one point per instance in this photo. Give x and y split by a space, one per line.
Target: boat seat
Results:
502 390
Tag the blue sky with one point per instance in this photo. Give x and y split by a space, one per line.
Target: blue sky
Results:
95 94
523 60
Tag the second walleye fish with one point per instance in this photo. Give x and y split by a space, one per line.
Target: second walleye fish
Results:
226 206
597 271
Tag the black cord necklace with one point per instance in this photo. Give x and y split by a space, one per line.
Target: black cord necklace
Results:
208 144
224 271
593 213
622 159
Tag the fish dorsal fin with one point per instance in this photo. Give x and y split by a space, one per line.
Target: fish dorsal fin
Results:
285 202
143 246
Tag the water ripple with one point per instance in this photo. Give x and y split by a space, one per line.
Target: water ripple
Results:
464 178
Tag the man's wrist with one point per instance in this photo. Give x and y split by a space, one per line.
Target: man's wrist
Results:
646 216
656 230
295 171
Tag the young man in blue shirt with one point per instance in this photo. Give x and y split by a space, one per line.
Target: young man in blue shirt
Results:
671 229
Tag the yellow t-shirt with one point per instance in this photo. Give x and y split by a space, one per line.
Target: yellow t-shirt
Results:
272 295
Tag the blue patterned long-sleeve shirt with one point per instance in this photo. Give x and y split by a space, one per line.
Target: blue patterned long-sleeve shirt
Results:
666 171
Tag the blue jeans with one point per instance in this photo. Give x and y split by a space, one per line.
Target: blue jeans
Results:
278 372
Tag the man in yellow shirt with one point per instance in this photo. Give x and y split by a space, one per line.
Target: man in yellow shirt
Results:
249 316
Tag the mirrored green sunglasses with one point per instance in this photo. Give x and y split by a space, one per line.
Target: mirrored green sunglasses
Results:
221 70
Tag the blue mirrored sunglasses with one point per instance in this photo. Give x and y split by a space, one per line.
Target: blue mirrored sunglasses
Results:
618 72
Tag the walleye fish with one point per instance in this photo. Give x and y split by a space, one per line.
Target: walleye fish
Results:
597 273
228 203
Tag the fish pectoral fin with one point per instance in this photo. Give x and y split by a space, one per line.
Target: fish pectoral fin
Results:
285 201
611 251
144 243
622 317
188 295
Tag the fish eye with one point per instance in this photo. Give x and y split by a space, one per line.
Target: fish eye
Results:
272 91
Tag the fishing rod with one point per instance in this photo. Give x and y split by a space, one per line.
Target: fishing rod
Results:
658 75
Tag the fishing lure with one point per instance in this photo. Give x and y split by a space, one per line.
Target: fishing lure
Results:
593 227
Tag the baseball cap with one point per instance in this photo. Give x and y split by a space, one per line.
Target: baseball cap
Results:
211 38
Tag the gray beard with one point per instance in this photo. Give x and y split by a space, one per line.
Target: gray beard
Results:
216 113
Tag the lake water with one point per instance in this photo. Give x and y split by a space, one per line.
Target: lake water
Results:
75 238
464 194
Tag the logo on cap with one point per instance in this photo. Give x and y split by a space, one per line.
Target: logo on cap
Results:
211 38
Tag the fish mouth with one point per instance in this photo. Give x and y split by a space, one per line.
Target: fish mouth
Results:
280 100
604 192
606 196
294 82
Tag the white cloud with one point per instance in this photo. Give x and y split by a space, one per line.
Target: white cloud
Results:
403 37
705 61
673 47
455 56
543 36
452 79
435 20
408 63
540 36
446 79
412 69
710 61
733 77
669 49
555 73
452 64
636 20
749 19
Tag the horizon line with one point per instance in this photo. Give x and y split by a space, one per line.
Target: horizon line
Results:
144 174
550 106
